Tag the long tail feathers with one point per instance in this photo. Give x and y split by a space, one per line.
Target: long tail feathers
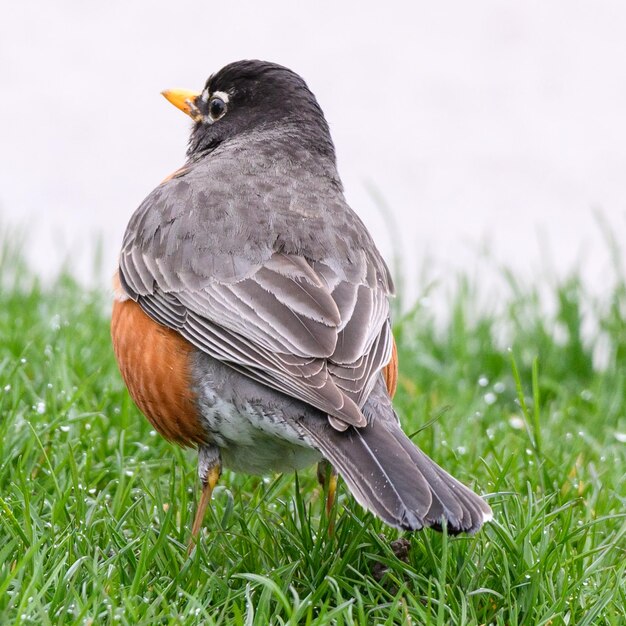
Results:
393 478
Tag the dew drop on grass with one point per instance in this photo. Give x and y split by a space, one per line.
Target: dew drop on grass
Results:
64 429
516 422
40 407
499 387
7 387
586 395
490 398
621 437
483 381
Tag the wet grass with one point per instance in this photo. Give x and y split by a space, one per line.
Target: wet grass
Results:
528 407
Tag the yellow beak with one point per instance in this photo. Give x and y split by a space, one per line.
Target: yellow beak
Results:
184 100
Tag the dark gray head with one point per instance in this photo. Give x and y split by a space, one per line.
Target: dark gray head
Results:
253 95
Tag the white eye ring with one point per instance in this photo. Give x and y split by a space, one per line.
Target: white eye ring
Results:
222 95
219 110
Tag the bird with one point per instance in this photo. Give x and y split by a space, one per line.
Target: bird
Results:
251 310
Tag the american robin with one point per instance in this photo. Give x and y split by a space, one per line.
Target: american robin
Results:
251 313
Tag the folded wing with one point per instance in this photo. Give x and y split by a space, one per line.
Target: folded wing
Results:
294 325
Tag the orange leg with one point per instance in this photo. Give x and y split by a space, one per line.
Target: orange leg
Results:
327 477
209 470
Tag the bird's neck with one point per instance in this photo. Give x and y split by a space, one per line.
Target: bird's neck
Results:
293 131
293 144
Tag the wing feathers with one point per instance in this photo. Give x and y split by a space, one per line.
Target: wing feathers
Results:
302 328
300 296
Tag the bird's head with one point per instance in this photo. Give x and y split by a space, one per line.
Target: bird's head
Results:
250 96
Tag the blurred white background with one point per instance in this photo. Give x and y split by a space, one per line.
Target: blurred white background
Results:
481 124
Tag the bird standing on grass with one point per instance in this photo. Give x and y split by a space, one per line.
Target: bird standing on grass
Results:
251 313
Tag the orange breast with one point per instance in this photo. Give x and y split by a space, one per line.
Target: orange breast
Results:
155 364
390 372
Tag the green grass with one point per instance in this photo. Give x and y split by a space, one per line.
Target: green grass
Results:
95 510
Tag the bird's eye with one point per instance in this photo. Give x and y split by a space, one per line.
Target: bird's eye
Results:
217 107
